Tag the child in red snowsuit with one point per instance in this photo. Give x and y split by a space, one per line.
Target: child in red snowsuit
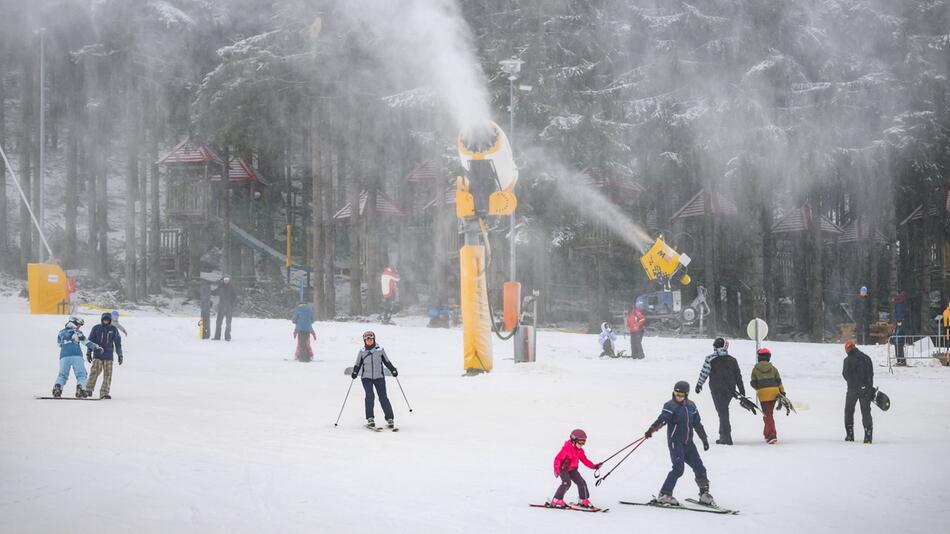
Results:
566 465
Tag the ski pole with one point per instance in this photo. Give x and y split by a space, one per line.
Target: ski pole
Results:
403 392
344 401
625 447
603 478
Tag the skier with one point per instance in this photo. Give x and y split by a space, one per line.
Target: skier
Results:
371 360
767 383
70 340
115 322
898 340
303 330
635 323
227 300
858 372
607 339
566 465
388 281
681 418
106 335
724 378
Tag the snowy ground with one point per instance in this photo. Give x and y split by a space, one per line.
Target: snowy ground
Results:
207 436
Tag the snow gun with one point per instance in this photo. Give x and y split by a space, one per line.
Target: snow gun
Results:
662 263
486 190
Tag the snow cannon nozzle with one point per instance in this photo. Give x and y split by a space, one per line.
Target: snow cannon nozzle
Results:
479 138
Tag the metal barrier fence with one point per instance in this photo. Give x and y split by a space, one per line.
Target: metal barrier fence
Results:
918 347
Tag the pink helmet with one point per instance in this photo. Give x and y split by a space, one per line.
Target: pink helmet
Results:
578 434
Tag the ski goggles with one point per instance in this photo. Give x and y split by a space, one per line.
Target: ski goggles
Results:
580 441
369 335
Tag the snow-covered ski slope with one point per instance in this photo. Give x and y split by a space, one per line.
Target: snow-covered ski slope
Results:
205 436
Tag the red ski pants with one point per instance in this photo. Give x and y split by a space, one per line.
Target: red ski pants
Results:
304 352
767 408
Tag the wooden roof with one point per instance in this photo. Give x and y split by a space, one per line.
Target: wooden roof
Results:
240 171
610 185
918 213
448 198
384 206
696 206
190 153
427 171
860 230
794 221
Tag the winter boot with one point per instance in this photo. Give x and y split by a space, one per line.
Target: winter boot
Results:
390 423
666 500
557 503
867 436
80 394
849 434
105 396
57 390
585 504
704 496
371 423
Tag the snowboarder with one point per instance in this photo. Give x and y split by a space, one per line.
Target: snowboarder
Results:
106 335
898 340
371 360
607 340
227 300
566 465
858 372
635 324
303 330
681 418
724 376
767 383
70 340
388 281
115 322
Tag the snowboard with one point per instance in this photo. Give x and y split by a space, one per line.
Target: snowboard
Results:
572 507
69 398
703 508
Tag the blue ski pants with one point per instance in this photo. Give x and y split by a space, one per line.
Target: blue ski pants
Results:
380 385
76 364
684 453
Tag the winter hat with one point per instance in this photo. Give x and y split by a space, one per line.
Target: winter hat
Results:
105 316
848 345
764 354
604 327
681 387
719 343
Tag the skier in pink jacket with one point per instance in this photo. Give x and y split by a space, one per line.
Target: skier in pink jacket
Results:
566 465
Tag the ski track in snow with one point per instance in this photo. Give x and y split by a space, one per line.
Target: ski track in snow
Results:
206 436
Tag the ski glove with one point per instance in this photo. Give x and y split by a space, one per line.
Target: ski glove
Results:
598 466
705 444
354 373
394 372
649 433
120 359
699 389
89 356
99 350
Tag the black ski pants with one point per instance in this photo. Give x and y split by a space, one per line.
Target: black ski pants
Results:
223 315
680 454
566 478
855 396
721 400
636 345
370 401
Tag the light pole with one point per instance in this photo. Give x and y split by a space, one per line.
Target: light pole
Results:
42 156
511 67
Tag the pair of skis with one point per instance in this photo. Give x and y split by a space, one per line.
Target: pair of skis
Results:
699 507
572 506
381 428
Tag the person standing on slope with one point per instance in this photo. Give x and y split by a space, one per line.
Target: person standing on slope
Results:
724 376
71 340
388 281
767 383
566 465
371 360
227 301
607 340
681 418
303 330
106 335
858 372
115 322
635 324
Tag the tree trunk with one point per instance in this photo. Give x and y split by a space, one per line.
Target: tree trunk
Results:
4 227
373 241
131 187
710 247
355 185
143 209
813 273
333 183
26 156
317 178
72 186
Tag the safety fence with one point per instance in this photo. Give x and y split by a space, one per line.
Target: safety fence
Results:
901 349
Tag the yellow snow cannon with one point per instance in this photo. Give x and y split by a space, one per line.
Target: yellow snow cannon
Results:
662 263
487 189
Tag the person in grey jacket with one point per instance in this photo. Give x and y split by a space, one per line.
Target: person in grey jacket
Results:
370 361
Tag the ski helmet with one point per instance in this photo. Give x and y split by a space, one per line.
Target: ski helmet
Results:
681 387
578 434
764 354
368 335
76 322
106 317
719 343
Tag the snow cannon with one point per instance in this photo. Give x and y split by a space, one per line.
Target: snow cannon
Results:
662 263
49 288
487 189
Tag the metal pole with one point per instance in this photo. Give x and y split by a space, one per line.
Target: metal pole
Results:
512 265
26 202
42 163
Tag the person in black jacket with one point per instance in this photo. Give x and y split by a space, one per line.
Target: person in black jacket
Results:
858 372
106 335
227 301
724 379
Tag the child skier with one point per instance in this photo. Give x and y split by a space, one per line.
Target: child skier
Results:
768 386
607 340
106 335
681 417
303 330
70 340
566 465
371 360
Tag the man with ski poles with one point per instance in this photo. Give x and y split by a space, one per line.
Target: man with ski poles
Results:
725 378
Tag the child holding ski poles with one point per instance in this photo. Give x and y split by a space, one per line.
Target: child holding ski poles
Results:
566 465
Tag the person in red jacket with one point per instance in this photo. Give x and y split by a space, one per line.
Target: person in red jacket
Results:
566 465
635 324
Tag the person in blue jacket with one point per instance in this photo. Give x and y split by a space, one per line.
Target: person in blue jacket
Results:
681 418
71 340
106 335
303 330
